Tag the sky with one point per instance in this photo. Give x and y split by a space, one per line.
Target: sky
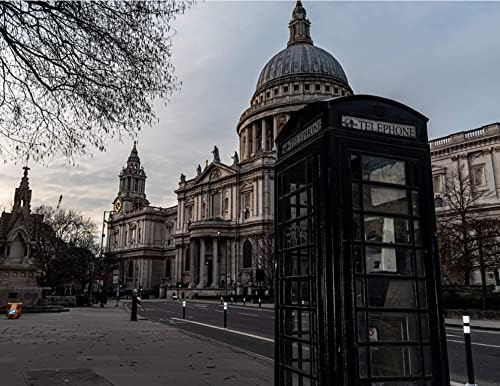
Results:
441 58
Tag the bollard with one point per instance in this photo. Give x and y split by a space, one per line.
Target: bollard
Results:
117 295
221 300
244 301
232 300
225 315
468 352
183 309
260 303
133 314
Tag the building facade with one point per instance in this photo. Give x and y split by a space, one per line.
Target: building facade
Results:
226 212
140 236
475 155
19 231
223 212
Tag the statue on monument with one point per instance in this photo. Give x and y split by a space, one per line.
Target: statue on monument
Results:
236 159
215 152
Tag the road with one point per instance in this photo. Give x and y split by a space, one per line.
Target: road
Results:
253 332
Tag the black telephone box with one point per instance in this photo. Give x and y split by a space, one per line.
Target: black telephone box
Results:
358 281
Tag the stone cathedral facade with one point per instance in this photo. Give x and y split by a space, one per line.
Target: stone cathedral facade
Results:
223 210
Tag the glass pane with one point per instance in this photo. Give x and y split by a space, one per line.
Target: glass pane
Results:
362 361
389 260
415 204
360 293
298 355
394 361
427 360
297 263
296 233
291 292
386 229
356 221
361 326
385 200
418 232
356 167
391 293
383 170
294 177
297 324
392 326
358 259
355 196
419 262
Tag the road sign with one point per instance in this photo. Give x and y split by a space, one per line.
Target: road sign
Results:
116 279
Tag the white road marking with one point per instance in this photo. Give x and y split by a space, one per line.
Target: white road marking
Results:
456 336
242 313
477 344
226 329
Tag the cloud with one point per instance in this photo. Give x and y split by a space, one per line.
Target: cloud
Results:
440 58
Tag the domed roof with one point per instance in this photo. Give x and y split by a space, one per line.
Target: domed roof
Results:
301 57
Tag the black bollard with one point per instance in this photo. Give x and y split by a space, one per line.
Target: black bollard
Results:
260 303
183 309
468 351
225 315
244 301
133 315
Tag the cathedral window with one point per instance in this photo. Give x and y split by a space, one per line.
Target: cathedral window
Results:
203 210
268 94
478 175
327 88
247 254
335 90
226 204
296 87
306 86
285 89
343 92
275 91
139 236
216 204
130 269
318 87
437 183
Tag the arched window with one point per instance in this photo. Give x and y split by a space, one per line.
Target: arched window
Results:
187 260
216 198
247 254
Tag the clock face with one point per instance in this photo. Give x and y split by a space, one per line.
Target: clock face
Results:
118 205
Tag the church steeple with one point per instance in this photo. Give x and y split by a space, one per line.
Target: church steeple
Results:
22 195
132 192
299 26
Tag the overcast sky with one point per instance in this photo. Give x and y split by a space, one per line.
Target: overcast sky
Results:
443 59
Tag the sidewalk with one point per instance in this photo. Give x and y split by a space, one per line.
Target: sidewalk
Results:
101 346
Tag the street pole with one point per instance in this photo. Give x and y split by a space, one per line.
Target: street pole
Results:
244 301
117 294
183 309
260 303
468 352
225 314
133 315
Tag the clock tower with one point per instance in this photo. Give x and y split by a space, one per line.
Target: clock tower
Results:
132 192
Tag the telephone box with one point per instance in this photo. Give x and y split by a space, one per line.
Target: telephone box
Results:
358 280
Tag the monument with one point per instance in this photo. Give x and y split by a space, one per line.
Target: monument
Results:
358 299
18 233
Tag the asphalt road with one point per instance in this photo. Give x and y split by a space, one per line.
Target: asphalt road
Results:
257 332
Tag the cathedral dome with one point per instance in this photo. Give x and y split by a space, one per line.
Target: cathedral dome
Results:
301 59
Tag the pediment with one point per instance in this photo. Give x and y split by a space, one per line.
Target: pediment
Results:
214 172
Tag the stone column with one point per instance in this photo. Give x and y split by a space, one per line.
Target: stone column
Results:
264 136
249 146
275 131
254 138
202 282
215 265
191 263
